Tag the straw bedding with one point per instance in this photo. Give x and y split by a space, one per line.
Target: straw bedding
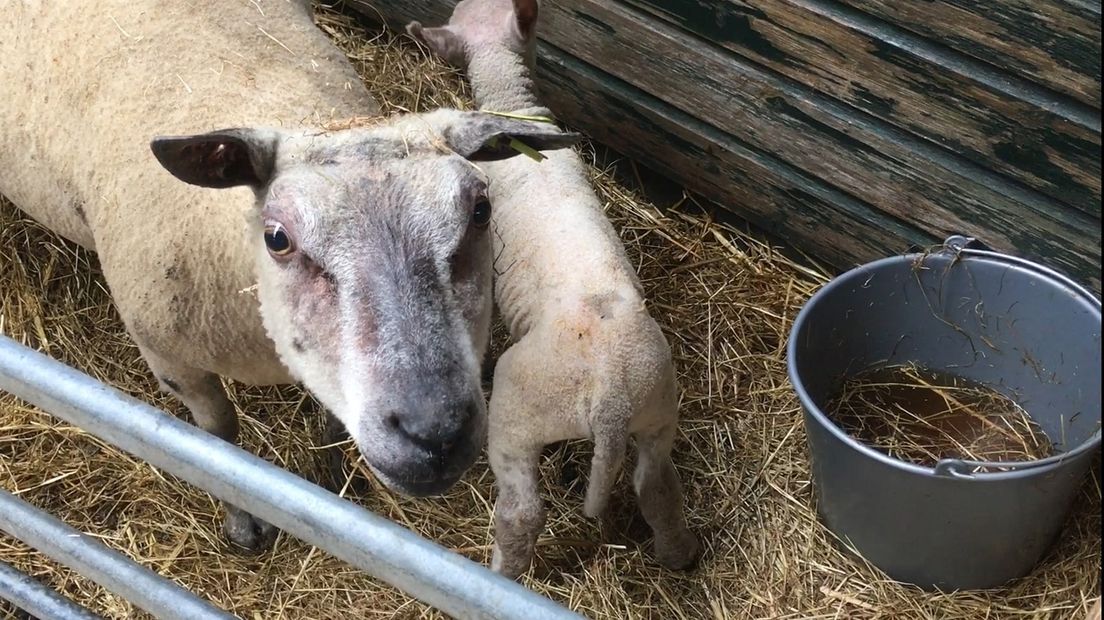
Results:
726 299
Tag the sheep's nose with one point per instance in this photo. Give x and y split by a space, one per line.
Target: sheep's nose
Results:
433 424
426 439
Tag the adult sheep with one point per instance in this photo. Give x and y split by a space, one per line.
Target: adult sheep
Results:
368 246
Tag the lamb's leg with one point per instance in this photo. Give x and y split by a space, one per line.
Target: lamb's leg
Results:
519 512
659 494
529 409
609 453
202 393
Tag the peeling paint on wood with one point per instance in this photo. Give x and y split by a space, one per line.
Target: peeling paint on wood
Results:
943 102
818 131
1052 42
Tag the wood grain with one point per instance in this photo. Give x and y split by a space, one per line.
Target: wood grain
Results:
905 177
1052 42
939 95
780 199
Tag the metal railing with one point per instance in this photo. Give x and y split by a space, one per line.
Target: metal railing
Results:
441 578
34 598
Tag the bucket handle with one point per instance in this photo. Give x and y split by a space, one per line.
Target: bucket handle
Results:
955 244
961 468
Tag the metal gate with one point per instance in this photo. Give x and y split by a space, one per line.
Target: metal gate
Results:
446 580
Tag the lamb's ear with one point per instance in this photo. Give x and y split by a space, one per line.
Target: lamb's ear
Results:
525 17
224 158
480 136
441 41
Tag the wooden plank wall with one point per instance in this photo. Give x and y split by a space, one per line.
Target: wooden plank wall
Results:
850 129
1056 44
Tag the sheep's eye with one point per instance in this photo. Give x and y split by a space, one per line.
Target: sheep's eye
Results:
277 240
481 215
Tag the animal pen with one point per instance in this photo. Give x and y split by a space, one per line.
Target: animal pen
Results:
851 129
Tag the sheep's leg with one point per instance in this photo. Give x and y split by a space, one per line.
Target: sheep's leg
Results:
659 494
519 512
609 453
332 435
202 393
524 417
335 478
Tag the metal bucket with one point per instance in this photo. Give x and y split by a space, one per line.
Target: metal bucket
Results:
1014 326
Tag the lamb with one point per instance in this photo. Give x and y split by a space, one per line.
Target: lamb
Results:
367 247
586 360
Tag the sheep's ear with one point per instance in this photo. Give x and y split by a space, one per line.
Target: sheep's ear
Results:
480 136
442 41
220 159
525 17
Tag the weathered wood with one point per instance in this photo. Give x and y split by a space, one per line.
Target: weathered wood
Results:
908 178
832 181
935 93
1052 42
780 199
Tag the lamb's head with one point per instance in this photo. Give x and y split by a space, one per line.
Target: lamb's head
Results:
373 259
482 24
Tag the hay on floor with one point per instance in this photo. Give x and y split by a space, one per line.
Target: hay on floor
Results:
726 300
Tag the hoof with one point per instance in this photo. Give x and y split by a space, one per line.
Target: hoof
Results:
511 568
247 532
679 552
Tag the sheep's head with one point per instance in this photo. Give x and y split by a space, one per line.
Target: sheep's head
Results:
373 259
477 25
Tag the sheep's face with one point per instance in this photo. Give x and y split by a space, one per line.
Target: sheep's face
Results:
375 284
374 273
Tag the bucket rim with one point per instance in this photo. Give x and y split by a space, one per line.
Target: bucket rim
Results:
947 467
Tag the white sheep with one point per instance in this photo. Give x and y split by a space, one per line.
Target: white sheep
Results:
587 359
368 246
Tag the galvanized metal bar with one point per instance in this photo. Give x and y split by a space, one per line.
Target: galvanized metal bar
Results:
26 593
105 566
392 553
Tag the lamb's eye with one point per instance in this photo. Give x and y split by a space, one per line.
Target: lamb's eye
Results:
481 215
277 240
